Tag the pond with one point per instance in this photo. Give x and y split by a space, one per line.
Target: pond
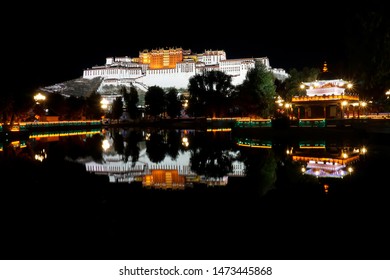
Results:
126 193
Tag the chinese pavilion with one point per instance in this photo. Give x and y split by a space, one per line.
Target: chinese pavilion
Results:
327 98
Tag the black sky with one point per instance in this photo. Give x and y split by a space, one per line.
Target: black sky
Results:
47 45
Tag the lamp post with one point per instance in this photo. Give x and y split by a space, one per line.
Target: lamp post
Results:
363 104
343 104
39 97
39 110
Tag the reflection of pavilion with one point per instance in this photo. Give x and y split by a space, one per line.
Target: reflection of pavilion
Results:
326 161
167 174
327 98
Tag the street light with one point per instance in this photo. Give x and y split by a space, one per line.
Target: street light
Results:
39 97
343 104
104 103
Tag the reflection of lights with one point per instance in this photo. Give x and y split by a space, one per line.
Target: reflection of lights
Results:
289 151
363 151
326 188
147 136
105 144
41 156
317 172
184 141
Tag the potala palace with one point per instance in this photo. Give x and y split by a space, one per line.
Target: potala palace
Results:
172 67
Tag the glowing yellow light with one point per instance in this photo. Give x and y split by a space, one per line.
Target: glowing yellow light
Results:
350 169
104 103
303 169
105 144
364 150
344 103
326 188
302 86
39 97
344 155
184 141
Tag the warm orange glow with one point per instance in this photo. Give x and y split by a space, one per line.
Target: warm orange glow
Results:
161 58
326 188
324 98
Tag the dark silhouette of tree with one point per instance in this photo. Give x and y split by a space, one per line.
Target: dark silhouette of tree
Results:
211 155
6 106
368 49
55 103
118 141
173 103
75 108
131 103
291 86
155 101
174 143
156 147
13 107
256 95
93 108
117 108
132 148
210 93
260 169
197 99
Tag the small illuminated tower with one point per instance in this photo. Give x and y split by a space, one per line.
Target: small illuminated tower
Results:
327 97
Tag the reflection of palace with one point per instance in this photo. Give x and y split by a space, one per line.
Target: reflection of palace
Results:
166 174
323 160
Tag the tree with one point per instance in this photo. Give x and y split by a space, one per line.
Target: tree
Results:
131 102
291 86
75 108
93 109
173 103
56 104
369 52
117 108
210 94
256 95
155 101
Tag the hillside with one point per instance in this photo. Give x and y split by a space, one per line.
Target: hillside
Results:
76 87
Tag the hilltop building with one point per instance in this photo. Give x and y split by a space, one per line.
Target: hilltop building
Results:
172 67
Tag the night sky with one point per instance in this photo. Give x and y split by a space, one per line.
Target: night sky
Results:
52 44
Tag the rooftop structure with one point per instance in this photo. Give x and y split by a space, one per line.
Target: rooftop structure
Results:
172 67
327 97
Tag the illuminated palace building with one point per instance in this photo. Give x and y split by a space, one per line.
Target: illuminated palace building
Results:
328 98
172 67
